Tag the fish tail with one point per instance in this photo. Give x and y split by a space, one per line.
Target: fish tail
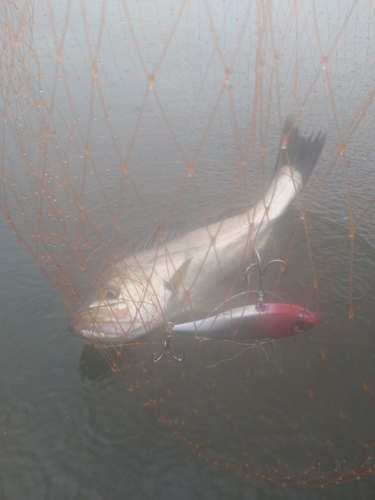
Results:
300 153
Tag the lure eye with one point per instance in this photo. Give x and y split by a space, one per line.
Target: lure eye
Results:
303 314
299 327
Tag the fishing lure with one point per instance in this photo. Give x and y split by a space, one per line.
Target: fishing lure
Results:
271 321
259 321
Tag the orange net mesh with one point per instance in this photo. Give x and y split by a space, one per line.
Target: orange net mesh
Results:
127 124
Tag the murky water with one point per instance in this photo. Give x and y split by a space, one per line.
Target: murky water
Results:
68 426
69 429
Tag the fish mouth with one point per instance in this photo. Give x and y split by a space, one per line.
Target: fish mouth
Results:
103 324
106 333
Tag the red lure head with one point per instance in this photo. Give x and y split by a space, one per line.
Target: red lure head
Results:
285 320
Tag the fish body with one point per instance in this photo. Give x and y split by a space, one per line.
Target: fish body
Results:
152 287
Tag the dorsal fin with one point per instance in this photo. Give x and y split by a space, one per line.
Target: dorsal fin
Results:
169 232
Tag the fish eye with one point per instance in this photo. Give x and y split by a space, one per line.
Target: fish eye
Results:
111 294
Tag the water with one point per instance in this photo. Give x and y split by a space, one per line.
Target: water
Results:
68 426
69 429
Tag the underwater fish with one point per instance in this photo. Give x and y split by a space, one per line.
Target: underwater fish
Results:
150 288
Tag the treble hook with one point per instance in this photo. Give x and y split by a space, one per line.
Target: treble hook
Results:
261 292
167 345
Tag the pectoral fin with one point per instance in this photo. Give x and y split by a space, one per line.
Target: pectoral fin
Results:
177 280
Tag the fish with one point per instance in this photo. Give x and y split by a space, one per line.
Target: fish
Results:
153 287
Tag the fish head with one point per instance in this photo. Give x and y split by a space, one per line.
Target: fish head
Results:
128 305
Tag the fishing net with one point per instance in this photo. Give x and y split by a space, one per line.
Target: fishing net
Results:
127 124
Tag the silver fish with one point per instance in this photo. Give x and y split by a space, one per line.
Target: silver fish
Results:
153 287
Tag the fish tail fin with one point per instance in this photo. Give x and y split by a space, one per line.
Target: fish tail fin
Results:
300 153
